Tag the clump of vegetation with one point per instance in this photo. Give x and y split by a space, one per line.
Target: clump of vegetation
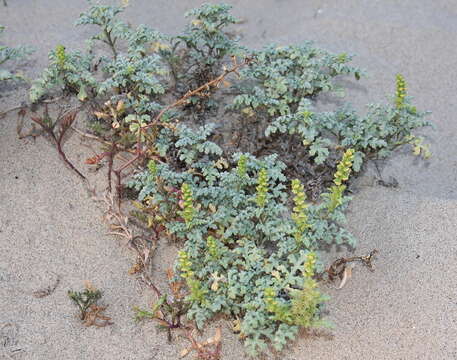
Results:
67 71
206 45
233 193
104 16
8 54
90 312
168 311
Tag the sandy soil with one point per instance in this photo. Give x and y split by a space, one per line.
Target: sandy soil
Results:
49 228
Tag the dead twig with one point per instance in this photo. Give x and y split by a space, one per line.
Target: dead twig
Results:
209 349
143 245
65 121
25 106
91 136
341 269
20 107
95 317
33 132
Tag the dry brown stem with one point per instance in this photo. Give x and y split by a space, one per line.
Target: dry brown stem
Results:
209 349
340 269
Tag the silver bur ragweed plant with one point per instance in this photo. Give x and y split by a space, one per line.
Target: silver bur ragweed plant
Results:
105 17
245 262
68 71
221 187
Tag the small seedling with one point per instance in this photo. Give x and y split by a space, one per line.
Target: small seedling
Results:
168 311
90 312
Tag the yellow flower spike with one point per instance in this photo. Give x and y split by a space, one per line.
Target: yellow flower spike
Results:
60 55
211 243
309 265
344 168
185 265
299 214
262 188
188 211
400 93
242 166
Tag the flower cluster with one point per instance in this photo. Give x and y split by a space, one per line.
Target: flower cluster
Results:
262 188
310 265
197 293
299 214
188 211
400 94
185 265
343 169
281 311
152 166
211 243
60 55
342 174
241 166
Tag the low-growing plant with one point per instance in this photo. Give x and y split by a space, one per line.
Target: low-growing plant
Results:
87 302
233 194
240 241
84 299
281 112
68 71
206 43
169 309
105 17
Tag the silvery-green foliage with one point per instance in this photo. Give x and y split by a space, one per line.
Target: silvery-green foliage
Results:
255 247
105 16
373 135
279 89
11 54
143 40
193 145
137 75
205 37
69 71
140 74
279 77
207 43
